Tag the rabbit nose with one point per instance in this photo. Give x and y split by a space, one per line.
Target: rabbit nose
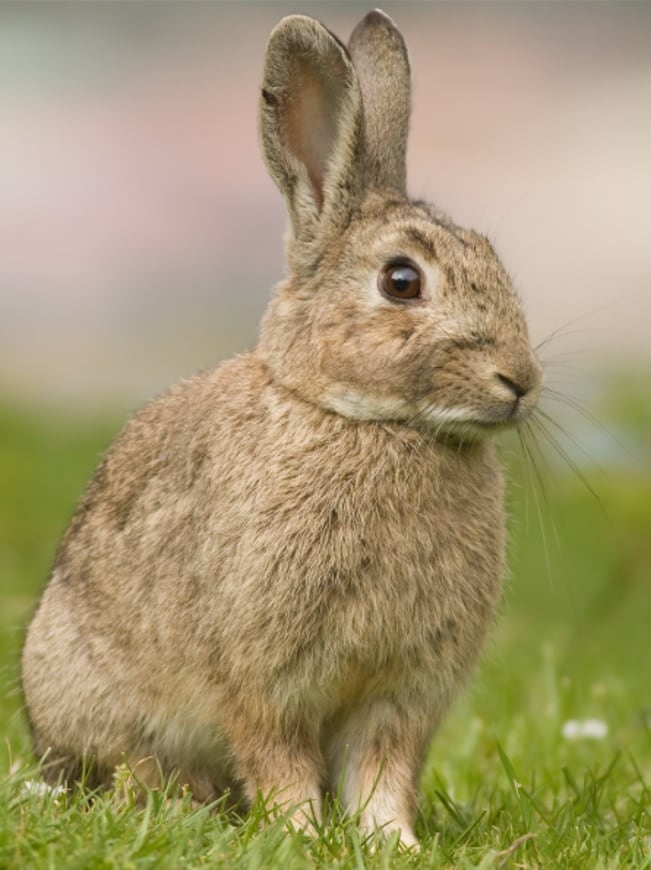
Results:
515 387
522 379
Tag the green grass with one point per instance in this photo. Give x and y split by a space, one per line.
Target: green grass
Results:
502 786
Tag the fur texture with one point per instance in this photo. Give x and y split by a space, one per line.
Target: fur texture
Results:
284 568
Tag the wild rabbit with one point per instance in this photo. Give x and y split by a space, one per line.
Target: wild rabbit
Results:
284 568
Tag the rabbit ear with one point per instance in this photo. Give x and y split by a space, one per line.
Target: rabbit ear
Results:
311 125
380 57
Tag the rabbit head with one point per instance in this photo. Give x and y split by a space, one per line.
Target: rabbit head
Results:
390 312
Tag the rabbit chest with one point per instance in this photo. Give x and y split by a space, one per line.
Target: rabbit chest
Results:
363 552
305 555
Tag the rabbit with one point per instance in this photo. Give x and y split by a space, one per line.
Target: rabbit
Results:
285 568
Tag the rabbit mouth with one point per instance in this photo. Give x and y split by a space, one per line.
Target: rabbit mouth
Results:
469 423
497 402
429 414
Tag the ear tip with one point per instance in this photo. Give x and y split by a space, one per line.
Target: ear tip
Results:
379 16
298 23
379 22
296 18
292 26
295 31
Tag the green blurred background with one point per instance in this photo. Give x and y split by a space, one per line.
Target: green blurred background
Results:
140 237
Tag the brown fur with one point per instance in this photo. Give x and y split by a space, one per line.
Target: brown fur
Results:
284 568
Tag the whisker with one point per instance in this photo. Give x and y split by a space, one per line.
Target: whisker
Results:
569 580
564 354
553 441
570 438
571 333
542 458
575 404
420 415
534 491
562 330
571 402
528 482
558 363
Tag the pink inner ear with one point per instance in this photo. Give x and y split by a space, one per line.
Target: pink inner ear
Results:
312 121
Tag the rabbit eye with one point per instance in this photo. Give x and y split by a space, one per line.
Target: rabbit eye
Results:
400 281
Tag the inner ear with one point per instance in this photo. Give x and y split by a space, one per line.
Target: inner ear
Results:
312 120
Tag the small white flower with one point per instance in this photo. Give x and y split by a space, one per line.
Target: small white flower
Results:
585 729
38 787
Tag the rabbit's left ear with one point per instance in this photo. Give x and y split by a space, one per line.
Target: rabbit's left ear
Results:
380 57
311 127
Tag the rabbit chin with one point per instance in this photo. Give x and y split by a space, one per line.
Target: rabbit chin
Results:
453 421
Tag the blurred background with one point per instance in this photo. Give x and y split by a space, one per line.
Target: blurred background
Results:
140 233
140 236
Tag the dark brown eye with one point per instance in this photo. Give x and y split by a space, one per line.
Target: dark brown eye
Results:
400 281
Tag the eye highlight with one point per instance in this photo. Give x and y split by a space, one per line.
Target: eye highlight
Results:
399 280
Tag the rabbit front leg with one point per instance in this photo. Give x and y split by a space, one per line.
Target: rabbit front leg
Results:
282 763
375 754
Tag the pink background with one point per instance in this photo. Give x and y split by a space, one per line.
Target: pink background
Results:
140 234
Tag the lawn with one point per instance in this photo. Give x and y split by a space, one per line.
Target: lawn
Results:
518 776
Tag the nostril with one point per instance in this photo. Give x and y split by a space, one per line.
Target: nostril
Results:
517 389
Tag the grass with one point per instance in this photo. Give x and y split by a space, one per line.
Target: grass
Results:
502 786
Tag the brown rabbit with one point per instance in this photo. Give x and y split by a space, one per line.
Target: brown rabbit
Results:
284 568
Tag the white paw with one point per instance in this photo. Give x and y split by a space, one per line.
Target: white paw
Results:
38 787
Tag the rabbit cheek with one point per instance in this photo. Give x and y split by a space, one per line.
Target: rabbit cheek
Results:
355 404
376 369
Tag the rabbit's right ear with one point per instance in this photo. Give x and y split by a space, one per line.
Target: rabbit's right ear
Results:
311 127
